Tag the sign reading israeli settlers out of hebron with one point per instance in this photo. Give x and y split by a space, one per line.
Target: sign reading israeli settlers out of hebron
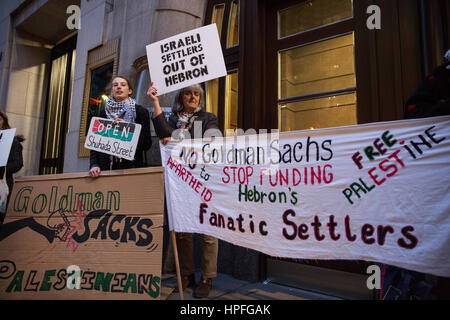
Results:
376 192
185 59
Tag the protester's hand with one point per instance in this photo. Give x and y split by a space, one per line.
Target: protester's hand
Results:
118 120
165 140
152 92
95 172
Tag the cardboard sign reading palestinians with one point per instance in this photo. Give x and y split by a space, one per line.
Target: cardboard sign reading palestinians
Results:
185 59
6 140
120 139
73 237
376 192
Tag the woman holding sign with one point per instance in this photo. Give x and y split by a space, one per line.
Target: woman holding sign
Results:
121 107
188 108
15 160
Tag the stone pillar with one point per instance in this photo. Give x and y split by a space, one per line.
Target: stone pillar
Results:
173 17
26 96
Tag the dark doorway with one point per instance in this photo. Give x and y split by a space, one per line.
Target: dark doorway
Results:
57 107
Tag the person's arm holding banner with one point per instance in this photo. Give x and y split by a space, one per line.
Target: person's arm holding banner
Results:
95 158
95 170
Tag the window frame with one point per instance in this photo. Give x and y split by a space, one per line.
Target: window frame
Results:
303 38
97 58
231 57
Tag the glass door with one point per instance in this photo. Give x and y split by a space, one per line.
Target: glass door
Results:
58 107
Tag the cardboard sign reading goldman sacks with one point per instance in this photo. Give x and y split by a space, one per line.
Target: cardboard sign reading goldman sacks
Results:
186 59
73 237
119 140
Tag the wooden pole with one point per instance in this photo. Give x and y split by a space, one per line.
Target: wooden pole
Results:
177 264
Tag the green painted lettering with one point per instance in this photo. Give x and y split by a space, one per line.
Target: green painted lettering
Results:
16 283
46 284
36 208
155 283
131 282
116 196
103 281
98 202
22 198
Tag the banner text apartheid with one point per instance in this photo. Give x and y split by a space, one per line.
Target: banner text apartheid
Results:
187 177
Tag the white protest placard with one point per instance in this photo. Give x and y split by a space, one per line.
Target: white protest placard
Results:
186 59
6 140
119 140
374 192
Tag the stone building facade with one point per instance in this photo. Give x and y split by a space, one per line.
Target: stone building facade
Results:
281 57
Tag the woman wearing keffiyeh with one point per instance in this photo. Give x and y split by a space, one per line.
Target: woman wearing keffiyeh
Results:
121 107
125 111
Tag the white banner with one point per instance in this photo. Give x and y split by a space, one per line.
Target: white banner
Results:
376 192
185 59
6 140
120 139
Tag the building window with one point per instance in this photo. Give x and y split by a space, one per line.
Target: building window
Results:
100 90
222 93
313 51
233 25
217 16
312 14
317 85
212 96
231 101
102 65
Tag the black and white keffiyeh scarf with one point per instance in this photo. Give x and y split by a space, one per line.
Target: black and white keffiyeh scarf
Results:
186 119
124 110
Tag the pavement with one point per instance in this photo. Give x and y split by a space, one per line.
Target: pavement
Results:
225 287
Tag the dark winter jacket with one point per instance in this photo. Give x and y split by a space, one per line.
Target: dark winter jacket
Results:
15 162
102 160
432 98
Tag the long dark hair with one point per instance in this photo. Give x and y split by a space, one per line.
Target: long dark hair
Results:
6 125
5 120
